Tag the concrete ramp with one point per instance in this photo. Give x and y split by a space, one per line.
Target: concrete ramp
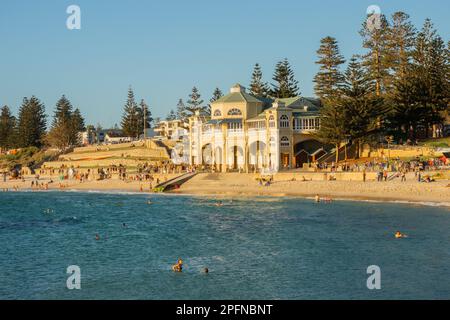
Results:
174 183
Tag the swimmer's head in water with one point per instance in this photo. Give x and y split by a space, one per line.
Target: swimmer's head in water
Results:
205 270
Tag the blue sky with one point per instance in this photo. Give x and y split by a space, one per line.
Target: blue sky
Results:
163 48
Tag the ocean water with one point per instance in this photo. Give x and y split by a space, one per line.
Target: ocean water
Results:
255 248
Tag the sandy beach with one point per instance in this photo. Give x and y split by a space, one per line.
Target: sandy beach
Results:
246 185
114 184
234 184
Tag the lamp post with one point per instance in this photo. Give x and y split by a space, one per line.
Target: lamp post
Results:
389 140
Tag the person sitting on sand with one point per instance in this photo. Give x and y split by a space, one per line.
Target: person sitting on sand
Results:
178 267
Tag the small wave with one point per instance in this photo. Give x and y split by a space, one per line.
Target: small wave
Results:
418 203
121 192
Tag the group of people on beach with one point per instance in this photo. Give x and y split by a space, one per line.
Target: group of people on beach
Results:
393 165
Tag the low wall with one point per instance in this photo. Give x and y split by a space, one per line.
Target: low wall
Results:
139 152
95 148
350 176
321 176
402 152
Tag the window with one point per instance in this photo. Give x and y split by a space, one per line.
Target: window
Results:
235 126
217 113
306 124
271 122
235 112
284 142
297 124
257 125
284 121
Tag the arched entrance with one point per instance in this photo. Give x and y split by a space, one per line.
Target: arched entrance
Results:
235 157
218 156
218 161
257 151
207 154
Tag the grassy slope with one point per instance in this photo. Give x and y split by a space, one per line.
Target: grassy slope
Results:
436 143
27 157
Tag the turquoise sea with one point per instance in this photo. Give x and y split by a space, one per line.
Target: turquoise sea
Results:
255 248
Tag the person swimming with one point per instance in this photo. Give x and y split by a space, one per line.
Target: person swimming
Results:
219 203
317 198
399 235
97 237
205 270
178 267
149 202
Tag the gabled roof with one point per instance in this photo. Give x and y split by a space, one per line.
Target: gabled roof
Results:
238 97
301 102
298 104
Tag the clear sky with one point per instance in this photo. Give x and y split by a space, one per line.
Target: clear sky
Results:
163 48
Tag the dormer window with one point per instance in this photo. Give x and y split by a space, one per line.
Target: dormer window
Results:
217 113
235 112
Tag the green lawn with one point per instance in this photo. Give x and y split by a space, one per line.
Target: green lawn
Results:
436 143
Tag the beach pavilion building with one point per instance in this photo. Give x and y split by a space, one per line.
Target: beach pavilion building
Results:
246 133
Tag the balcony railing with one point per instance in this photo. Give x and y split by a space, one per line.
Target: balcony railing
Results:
300 130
